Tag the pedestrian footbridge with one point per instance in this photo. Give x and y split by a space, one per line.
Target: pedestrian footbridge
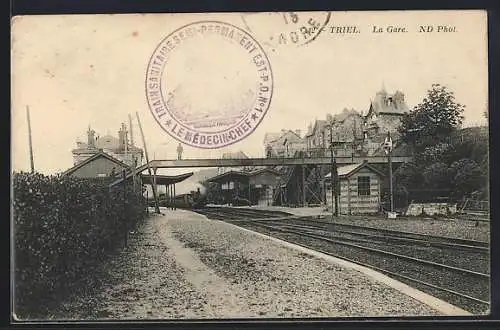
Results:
185 163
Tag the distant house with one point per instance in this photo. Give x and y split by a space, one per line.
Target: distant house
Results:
117 147
99 165
360 189
384 115
284 144
347 137
316 136
348 129
233 155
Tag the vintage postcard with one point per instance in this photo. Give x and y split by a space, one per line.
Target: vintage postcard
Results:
250 165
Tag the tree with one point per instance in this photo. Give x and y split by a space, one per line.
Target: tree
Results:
466 176
433 120
433 154
437 176
409 175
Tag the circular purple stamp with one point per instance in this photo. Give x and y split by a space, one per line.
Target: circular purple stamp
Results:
209 84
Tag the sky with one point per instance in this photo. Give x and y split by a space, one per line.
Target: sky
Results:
80 70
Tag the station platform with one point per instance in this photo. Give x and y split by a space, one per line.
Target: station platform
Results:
180 265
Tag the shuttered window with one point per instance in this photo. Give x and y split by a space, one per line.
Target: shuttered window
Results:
363 185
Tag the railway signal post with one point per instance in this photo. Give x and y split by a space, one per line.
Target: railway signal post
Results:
388 151
334 176
29 140
157 205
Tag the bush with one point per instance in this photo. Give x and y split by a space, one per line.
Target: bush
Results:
63 227
436 175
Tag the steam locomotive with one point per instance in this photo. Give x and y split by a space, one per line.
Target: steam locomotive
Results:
192 200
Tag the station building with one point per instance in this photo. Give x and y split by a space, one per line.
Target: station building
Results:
99 165
113 160
256 186
360 189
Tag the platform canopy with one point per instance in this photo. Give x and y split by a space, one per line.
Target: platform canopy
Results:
160 179
165 179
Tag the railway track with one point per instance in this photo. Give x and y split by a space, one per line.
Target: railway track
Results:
469 258
241 214
394 237
415 259
459 286
393 234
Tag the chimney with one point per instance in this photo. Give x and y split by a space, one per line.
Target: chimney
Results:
90 138
121 138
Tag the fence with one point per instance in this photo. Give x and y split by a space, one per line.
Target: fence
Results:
470 205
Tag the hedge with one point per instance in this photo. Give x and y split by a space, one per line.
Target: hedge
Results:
63 228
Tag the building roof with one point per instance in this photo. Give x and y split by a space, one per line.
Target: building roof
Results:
385 103
165 179
234 155
228 175
240 174
271 137
160 179
346 113
106 142
283 135
99 154
262 170
319 124
348 170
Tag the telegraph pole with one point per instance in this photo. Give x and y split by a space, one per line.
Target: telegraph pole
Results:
157 206
134 160
131 130
30 141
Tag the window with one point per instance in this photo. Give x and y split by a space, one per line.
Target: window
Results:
363 186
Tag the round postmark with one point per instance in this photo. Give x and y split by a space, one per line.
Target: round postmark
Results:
286 28
209 84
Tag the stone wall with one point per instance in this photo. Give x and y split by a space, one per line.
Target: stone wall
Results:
416 209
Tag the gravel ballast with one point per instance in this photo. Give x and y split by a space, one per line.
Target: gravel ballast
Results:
183 266
453 228
439 227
